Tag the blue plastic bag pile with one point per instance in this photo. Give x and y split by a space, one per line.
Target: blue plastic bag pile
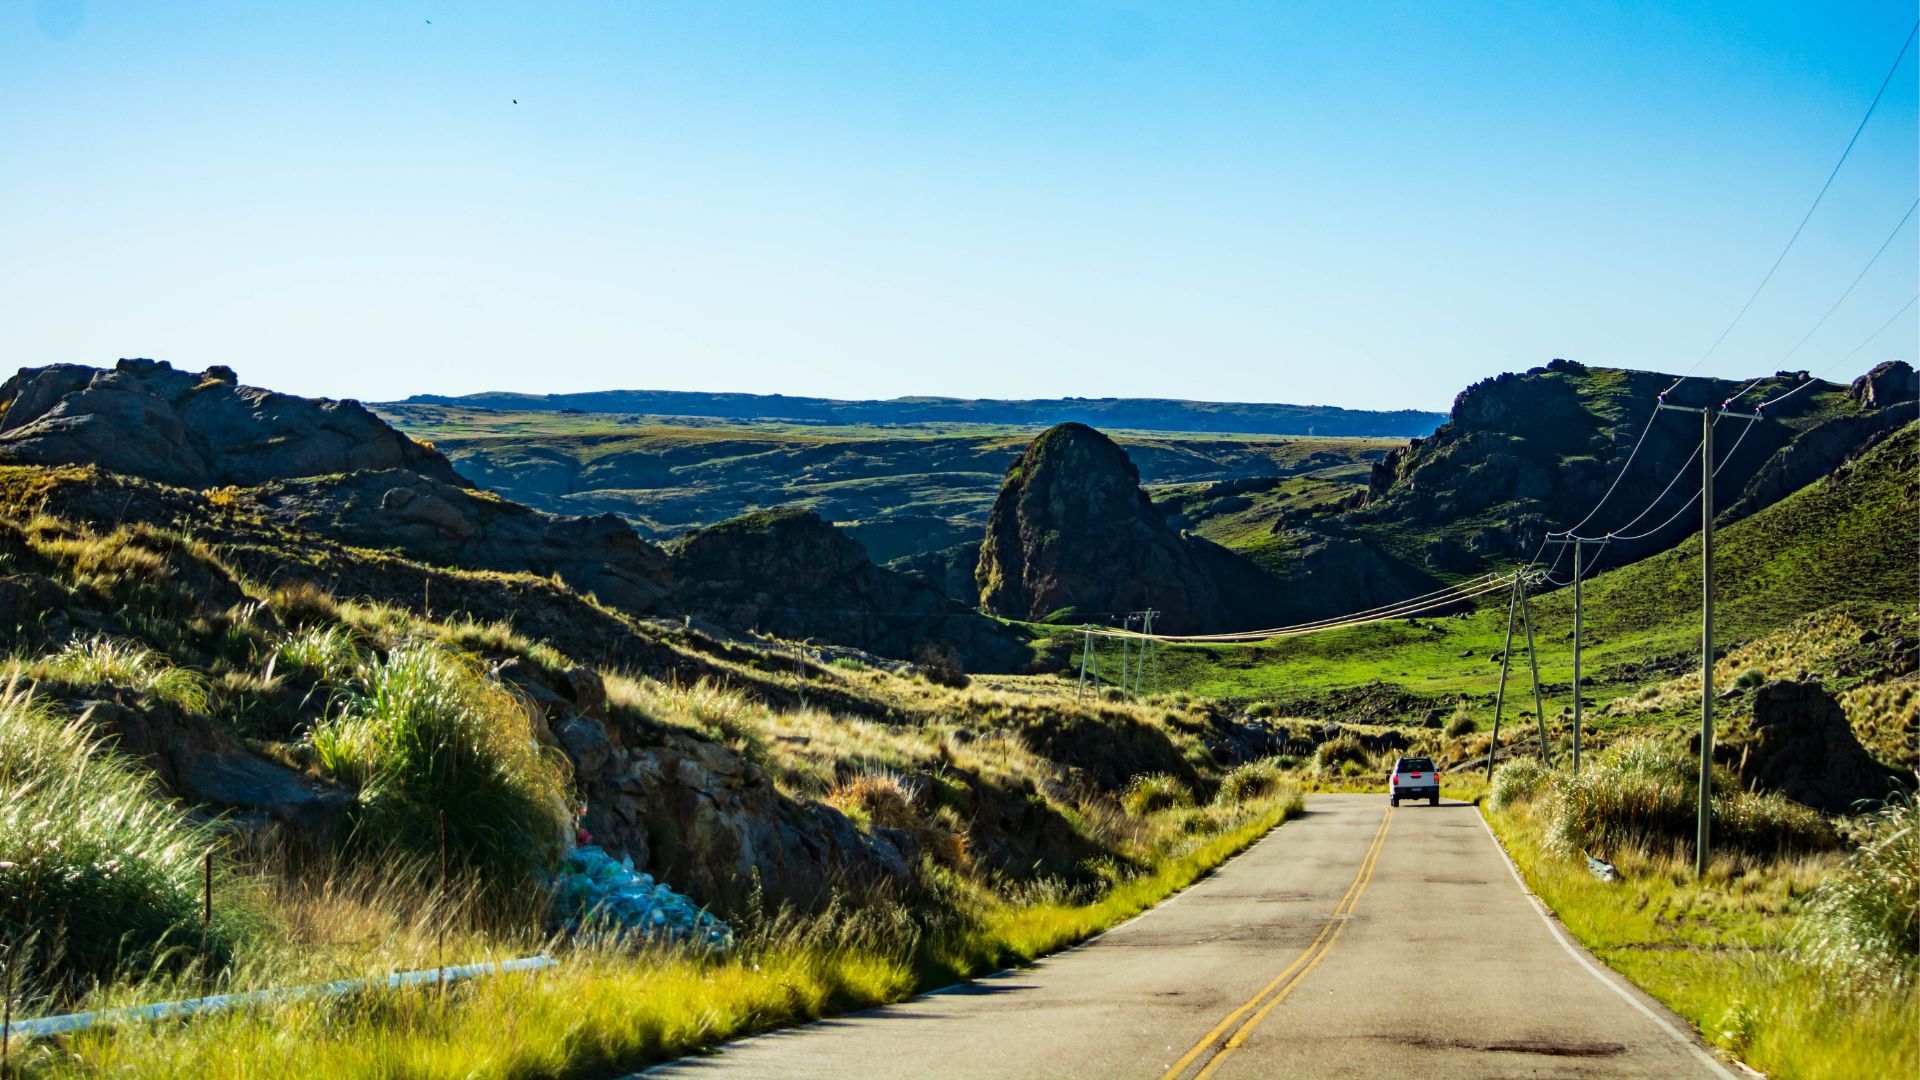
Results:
595 891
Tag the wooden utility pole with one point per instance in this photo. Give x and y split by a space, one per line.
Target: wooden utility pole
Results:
1703 833
1506 660
1533 664
1579 545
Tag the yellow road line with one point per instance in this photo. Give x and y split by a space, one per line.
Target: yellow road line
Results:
1309 957
1240 1037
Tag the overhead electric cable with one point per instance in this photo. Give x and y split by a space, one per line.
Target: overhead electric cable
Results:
1851 353
1808 216
1403 610
1735 448
1884 245
1621 475
1457 587
1587 569
1406 609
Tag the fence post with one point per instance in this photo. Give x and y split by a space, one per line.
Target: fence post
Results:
206 923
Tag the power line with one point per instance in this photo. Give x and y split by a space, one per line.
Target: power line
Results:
1621 475
1664 492
1732 450
1851 353
1808 216
1457 587
1405 609
1884 245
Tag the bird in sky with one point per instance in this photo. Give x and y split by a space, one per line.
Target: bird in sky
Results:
516 101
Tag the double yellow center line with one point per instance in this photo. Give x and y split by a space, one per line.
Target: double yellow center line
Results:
1230 1034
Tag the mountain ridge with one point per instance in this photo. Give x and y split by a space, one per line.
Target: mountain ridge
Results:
1144 414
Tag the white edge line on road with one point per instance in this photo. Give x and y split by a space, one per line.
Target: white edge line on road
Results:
1560 936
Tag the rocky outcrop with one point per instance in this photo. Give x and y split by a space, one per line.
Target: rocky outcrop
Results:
448 524
1891 382
1812 455
792 573
144 418
1071 530
1801 746
202 764
695 813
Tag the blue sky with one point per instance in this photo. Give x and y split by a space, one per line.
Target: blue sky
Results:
1359 204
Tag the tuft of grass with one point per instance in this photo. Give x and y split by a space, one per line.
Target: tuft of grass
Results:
302 603
1862 925
1517 780
424 733
1252 781
1643 794
1153 792
129 664
329 653
881 800
1342 753
107 873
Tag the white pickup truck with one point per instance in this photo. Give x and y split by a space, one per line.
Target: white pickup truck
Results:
1414 778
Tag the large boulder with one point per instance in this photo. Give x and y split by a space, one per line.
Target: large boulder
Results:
1071 529
144 418
790 572
205 766
1802 747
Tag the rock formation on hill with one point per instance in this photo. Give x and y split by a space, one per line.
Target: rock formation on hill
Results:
1071 529
1523 453
1802 746
790 572
1891 382
144 418
453 525
327 467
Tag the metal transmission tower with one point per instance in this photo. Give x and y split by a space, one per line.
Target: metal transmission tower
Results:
1087 659
1146 646
1579 545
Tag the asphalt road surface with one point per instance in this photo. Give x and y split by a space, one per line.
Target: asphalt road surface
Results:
1356 941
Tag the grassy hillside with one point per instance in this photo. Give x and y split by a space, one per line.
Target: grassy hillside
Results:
1521 454
1847 541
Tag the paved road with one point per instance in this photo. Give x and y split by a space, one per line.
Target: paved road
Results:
1353 942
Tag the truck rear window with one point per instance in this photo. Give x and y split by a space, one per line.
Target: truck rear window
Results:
1416 764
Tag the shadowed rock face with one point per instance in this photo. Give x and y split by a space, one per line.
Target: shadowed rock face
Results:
698 814
204 429
792 573
1803 747
1072 529
452 525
